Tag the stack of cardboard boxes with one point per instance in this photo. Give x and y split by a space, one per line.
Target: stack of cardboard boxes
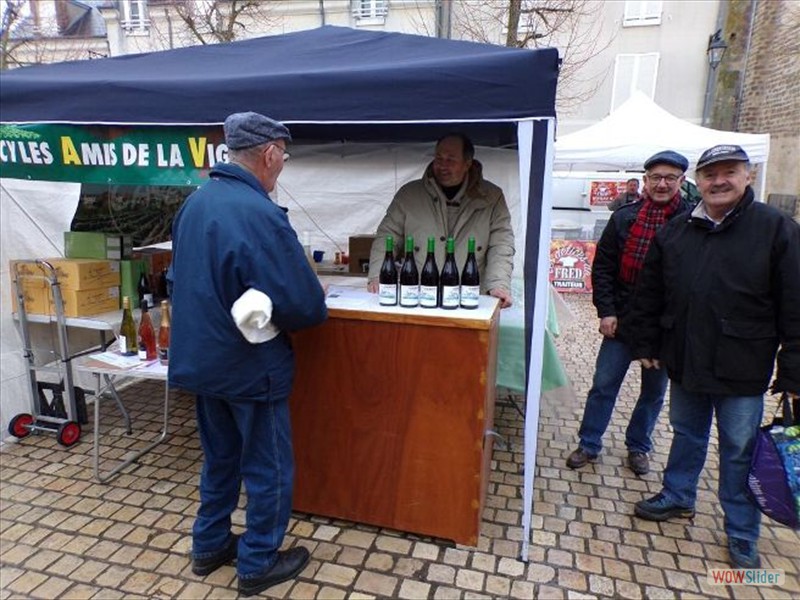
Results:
99 269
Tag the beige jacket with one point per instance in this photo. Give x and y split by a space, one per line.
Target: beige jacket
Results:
418 209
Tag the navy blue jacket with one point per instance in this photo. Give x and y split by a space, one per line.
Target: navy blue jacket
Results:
228 237
717 304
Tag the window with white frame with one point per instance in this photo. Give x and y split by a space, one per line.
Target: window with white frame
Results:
370 12
634 72
642 12
134 16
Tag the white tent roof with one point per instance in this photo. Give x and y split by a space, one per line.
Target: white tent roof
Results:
638 129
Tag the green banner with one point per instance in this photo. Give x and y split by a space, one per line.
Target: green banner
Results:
110 154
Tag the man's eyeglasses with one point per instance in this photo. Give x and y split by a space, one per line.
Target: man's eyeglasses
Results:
670 179
286 155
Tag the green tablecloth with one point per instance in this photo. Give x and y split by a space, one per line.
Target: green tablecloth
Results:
511 351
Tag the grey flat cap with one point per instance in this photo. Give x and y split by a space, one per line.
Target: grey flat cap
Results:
668 157
248 129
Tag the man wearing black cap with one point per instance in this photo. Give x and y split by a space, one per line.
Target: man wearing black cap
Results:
718 300
241 281
618 259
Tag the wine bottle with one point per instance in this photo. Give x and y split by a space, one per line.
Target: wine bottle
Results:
409 277
163 291
429 279
387 278
127 330
163 334
145 293
449 279
470 278
147 335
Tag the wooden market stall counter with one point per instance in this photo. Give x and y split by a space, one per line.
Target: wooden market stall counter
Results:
391 413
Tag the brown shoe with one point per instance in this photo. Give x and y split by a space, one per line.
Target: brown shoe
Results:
579 458
638 463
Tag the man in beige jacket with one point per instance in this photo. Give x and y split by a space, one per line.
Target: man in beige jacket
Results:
452 200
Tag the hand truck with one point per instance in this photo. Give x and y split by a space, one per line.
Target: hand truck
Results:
52 415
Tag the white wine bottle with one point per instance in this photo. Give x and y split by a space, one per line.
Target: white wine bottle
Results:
448 278
387 278
127 330
409 277
470 279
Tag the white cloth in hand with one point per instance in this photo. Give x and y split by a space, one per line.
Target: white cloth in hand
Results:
252 313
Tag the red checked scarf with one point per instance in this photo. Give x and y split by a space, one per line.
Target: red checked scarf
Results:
650 218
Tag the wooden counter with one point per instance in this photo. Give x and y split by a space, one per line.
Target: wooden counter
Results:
390 411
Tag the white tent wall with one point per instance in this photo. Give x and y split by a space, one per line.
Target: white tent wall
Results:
33 218
332 191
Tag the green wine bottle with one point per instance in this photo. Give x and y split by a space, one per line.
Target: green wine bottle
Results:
429 279
387 278
449 279
470 279
409 277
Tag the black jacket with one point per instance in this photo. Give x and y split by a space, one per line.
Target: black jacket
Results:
715 304
611 296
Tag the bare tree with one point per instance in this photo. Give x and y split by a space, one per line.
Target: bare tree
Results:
219 21
572 26
12 15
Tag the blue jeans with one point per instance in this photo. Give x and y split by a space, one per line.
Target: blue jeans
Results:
251 442
738 420
613 361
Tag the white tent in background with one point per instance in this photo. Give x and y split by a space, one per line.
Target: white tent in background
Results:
638 129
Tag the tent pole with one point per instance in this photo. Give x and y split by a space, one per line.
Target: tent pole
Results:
536 155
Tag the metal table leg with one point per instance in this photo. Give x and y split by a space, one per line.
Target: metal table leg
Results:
103 478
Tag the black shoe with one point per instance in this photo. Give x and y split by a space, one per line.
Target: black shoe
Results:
659 508
743 553
638 462
208 564
289 564
579 458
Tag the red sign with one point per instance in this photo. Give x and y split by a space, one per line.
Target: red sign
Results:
603 193
571 265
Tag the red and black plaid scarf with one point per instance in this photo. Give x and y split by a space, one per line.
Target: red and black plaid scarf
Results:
649 219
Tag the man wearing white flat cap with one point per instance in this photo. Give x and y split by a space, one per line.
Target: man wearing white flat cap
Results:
241 281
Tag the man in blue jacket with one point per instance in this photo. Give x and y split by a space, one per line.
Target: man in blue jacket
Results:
232 243
718 302
617 263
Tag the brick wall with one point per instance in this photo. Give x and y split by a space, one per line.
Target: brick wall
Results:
771 95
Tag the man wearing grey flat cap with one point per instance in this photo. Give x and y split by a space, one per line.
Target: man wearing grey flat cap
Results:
234 253
618 260
718 301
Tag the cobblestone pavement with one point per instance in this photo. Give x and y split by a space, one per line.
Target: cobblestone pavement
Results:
62 535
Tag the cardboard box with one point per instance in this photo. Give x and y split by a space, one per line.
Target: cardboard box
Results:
36 301
359 248
84 273
97 244
84 303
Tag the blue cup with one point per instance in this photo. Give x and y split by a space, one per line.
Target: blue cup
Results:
318 254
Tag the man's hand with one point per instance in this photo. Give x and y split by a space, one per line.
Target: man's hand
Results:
372 287
503 295
650 363
608 326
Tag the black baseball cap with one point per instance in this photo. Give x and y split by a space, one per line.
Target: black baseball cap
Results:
720 153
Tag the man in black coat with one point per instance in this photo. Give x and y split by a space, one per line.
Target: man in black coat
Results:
718 301
618 260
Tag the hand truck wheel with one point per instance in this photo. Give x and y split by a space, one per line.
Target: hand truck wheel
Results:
68 433
19 426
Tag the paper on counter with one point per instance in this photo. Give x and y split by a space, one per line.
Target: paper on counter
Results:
116 360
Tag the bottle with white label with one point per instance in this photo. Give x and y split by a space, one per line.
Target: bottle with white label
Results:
409 277
429 279
470 279
387 278
449 279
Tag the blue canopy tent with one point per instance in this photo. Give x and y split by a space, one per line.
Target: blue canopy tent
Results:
337 84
